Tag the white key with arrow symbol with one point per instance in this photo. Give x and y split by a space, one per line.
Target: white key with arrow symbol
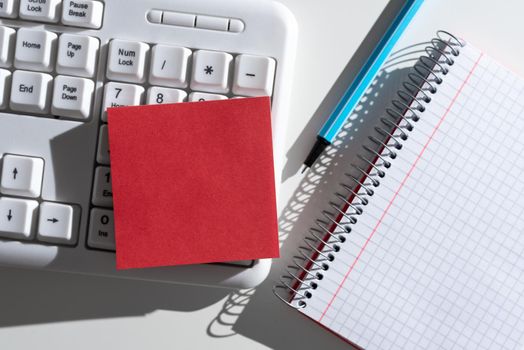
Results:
57 223
22 176
16 217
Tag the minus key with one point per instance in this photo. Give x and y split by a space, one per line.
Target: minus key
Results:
254 75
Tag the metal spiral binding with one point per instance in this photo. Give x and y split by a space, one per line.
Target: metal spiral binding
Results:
326 238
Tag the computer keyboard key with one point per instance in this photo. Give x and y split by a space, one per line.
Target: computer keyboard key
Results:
8 8
5 85
22 176
102 190
57 223
155 16
16 218
40 10
7 46
102 154
200 96
158 95
77 55
169 66
117 95
236 25
254 75
35 49
126 61
101 233
179 19
30 92
212 23
82 13
211 71
72 97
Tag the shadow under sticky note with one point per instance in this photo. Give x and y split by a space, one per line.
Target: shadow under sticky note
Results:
193 183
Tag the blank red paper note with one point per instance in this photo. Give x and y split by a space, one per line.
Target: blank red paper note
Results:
193 182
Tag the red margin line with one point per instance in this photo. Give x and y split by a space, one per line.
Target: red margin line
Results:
413 166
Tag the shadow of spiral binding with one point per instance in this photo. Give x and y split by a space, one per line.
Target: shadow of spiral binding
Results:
222 325
332 230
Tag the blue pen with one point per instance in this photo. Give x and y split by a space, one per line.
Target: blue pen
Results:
362 81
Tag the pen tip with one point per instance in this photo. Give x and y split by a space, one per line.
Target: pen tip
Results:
304 169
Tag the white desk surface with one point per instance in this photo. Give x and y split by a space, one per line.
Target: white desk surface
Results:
60 311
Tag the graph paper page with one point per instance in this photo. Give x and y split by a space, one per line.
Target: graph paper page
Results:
436 261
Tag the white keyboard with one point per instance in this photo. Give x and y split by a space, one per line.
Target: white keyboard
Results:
63 63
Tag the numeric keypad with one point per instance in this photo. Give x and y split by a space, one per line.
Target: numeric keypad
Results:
169 77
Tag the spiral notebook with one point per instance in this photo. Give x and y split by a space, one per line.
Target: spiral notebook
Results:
423 243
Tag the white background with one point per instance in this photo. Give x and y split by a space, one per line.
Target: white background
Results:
59 311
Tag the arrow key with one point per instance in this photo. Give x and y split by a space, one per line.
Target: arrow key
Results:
16 218
22 176
57 223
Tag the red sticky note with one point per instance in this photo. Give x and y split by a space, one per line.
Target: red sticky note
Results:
193 183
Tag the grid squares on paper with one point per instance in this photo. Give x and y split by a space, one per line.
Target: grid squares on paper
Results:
444 267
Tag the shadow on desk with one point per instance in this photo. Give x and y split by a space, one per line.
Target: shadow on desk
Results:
58 297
